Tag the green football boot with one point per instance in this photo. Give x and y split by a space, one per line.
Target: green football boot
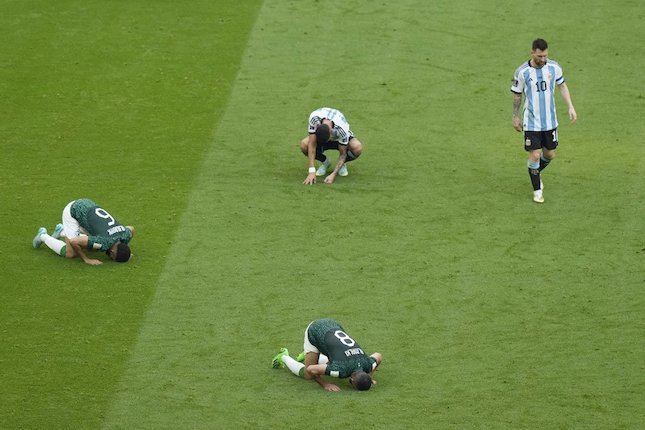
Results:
277 360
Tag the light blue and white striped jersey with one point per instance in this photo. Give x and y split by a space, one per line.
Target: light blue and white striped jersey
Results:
340 132
538 87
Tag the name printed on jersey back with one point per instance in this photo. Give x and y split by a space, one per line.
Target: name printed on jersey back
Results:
116 229
354 351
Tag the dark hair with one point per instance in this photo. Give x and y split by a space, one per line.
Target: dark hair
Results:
122 252
540 44
362 381
323 132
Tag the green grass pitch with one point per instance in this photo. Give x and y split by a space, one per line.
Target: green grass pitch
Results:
183 119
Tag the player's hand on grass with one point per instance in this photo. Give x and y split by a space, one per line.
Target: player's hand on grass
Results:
330 179
332 387
93 262
310 179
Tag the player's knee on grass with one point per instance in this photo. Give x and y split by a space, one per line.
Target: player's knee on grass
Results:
306 375
69 251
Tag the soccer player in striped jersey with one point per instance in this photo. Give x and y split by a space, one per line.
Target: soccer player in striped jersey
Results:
536 79
329 350
328 129
87 225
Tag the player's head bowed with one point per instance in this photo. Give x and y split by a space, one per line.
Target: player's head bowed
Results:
323 133
361 381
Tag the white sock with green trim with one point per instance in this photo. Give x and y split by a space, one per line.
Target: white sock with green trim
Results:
58 246
293 365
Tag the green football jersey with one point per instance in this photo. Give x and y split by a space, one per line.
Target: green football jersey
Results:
345 355
102 228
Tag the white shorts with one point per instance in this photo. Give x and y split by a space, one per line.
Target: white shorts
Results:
71 227
308 347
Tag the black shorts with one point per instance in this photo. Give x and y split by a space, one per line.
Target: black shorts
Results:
331 145
541 139
328 145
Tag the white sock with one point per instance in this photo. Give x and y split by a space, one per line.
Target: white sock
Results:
293 365
53 244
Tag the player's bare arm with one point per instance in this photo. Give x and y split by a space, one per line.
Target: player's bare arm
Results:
316 372
564 91
378 357
77 244
311 158
517 104
69 249
342 156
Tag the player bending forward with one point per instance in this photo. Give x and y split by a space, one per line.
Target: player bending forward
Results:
328 129
87 226
329 350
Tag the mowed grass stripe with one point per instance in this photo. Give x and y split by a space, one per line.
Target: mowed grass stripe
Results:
174 346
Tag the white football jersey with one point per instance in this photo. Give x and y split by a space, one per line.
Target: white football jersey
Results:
538 87
340 132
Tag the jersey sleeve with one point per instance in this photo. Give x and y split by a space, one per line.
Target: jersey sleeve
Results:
559 77
345 368
335 371
314 121
372 364
96 243
518 84
343 134
103 243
